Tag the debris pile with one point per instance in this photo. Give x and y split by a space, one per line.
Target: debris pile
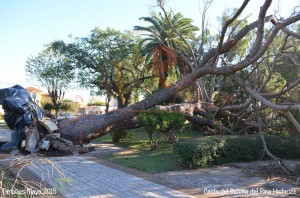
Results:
33 130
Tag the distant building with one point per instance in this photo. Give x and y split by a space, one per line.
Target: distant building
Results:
86 110
37 95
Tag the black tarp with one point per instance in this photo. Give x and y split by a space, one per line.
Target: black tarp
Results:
19 111
18 106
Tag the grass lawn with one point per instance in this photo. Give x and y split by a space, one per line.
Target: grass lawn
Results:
3 124
151 162
156 161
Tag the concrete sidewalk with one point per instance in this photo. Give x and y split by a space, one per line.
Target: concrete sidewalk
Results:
87 176
80 177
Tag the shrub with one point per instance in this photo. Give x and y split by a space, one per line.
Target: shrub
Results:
213 150
48 106
118 136
160 122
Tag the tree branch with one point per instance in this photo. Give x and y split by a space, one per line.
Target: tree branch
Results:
257 96
275 159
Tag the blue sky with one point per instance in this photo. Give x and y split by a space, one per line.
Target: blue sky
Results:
26 25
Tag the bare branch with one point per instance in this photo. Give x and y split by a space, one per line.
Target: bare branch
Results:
226 25
275 21
292 119
275 159
283 91
258 97
260 27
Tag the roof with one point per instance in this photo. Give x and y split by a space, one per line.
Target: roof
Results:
33 90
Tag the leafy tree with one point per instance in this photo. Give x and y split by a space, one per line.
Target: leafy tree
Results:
157 123
48 106
54 71
161 43
109 61
95 102
65 106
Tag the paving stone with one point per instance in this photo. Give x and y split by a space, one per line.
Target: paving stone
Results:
86 178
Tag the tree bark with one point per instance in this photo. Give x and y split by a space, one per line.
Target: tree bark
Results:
67 126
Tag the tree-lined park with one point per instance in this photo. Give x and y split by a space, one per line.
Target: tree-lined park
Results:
241 80
208 96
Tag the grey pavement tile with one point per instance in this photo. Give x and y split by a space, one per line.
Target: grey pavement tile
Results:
72 195
90 179
94 191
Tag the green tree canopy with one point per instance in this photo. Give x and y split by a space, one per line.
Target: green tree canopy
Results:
108 60
52 70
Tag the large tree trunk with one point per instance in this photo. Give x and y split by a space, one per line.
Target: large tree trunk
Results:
88 127
67 127
126 97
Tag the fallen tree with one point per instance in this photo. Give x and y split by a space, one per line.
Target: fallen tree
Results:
83 129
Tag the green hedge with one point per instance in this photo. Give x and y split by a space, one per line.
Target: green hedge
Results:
213 150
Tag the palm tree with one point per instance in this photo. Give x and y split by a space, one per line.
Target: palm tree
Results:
161 44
